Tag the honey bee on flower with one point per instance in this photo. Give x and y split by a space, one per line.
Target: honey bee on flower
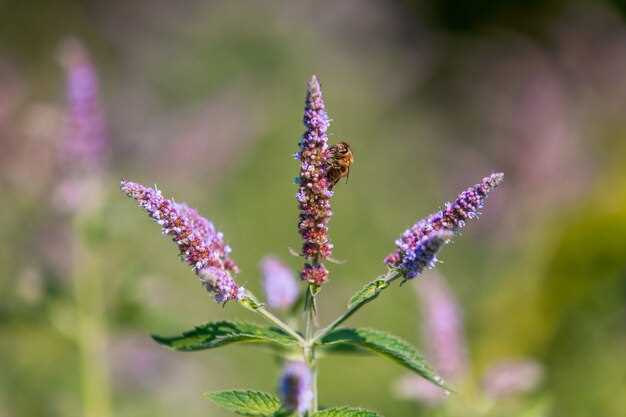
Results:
341 159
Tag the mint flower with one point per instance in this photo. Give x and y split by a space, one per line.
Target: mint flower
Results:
200 245
443 327
82 154
445 343
314 188
86 137
423 254
281 288
295 387
512 377
316 274
451 218
447 350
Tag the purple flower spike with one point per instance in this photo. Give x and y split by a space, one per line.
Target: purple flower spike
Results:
295 387
423 254
512 377
451 218
200 245
443 327
281 288
314 188
86 138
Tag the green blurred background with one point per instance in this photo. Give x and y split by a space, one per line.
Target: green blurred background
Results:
205 99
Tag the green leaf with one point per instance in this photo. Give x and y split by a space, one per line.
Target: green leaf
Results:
368 292
387 345
344 349
221 333
246 402
345 412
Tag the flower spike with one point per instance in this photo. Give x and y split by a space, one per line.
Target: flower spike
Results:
450 219
200 245
86 139
314 191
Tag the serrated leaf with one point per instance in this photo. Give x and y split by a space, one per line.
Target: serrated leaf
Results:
221 333
344 349
389 346
345 412
246 402
368 292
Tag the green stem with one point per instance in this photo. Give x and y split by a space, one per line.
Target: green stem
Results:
314 372
91 336
309 349
388 278
278 322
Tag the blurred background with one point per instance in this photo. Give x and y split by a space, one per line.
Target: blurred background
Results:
205 99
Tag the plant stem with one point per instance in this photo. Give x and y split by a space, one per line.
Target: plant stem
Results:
314 371
91 335
309 349
278 322
389 277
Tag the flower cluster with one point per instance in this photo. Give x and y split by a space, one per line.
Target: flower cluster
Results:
314 188
450 219
295 387
86 137
200 245
423 255
281 289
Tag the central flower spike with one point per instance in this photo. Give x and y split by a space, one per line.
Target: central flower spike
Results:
314 193
200 245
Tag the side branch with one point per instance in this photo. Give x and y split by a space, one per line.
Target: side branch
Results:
251 303
366 295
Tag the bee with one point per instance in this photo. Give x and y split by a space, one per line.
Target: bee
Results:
341 159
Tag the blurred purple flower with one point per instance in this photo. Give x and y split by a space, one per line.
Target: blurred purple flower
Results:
451 218
295 387
512 377
314 189
281 288
82 153
86 137
446 349
443 327
136 362
200 245
411 387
